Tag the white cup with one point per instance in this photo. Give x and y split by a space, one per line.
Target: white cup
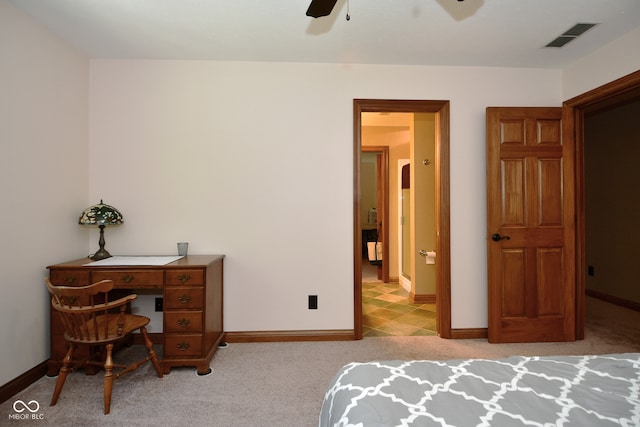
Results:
183 247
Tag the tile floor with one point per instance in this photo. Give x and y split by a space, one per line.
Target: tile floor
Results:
386 311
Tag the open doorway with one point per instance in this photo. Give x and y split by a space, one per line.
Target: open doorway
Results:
623 91
398 224
375 222
439 111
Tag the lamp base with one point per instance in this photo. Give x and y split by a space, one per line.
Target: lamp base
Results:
101 254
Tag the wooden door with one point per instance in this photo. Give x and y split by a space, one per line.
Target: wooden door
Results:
530 226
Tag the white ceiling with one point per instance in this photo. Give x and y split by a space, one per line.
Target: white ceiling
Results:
509 33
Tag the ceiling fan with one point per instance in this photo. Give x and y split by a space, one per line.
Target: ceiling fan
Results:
319 8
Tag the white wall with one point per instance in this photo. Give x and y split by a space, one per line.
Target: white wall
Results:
254 160
43 179
615 60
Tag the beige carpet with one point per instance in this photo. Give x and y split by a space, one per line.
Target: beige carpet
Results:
280 384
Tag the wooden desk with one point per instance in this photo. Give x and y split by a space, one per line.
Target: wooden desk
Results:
192 288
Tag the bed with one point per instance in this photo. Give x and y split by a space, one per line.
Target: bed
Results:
601 390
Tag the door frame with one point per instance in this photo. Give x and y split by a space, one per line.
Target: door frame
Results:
382 194
611 94
443 245
402 280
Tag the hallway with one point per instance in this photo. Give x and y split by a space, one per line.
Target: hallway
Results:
387 311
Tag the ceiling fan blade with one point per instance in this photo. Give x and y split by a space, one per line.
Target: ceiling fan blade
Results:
319 8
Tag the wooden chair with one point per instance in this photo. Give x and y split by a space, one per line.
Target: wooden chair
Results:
90 318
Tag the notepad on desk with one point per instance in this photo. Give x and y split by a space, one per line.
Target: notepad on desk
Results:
135 260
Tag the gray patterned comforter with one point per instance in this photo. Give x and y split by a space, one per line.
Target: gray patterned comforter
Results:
516 391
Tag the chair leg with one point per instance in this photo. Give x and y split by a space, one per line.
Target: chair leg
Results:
108 378
151 352
62 374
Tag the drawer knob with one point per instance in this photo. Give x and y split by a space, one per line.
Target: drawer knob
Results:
127 278
184 278
184 299
70 280
183 346
183 323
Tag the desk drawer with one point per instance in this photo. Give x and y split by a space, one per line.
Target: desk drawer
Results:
185 277
183 298
69 277
182 321
182 345
131 278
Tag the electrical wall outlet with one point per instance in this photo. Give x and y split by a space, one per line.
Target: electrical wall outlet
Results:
313 302
159 304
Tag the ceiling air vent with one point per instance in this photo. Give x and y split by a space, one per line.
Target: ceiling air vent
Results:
571 34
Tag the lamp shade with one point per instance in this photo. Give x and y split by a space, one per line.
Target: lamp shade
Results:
101 214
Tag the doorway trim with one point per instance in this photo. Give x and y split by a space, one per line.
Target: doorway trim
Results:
382 194
443 245
617 92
